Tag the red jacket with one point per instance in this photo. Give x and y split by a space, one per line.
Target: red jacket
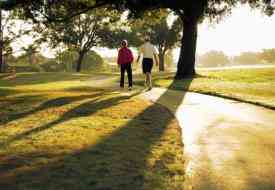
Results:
125 56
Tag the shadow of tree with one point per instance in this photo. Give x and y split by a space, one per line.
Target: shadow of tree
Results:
7 92
53 103
83 110
118 161
41 78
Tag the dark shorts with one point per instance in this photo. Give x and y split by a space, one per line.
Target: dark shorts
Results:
147 65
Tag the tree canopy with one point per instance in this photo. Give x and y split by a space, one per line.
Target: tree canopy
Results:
191 13
54 9
80 33
163 35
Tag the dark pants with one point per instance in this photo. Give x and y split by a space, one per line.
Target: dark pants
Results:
147 65
126 67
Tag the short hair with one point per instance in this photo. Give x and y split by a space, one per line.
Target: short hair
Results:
124 43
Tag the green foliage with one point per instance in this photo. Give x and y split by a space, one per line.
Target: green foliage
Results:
79 34
53 10
23 68
66 61
152 24
249 58
160 33
23 60
191 12
92 62
213 59
268 55
53 66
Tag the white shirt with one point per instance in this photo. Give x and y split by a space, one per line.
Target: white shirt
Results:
148 50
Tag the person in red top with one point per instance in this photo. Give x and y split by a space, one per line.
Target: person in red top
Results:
125 60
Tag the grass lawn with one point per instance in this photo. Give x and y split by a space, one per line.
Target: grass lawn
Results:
56 132
250 85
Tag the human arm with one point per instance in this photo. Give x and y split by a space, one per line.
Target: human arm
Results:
131 56
119 58
138 57
156 59
140 50
155 56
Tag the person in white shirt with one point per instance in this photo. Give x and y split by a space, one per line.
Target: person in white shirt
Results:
149 54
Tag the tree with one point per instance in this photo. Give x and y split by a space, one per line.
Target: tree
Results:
191 12
8 35
91 61
30 52
80 33
247 58
162 35
268 55
213 59
1 42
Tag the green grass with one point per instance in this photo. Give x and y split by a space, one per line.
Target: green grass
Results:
56 132
255 86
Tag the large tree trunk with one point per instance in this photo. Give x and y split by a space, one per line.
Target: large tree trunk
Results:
186 63
31 57
79 61
161 61
1 44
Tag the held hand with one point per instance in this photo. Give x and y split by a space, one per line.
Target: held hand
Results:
138 59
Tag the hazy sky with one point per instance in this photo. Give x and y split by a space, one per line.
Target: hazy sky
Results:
244 30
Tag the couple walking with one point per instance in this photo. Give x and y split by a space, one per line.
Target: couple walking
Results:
126 58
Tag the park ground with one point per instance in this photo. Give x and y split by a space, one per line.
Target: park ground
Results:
256 86
61 130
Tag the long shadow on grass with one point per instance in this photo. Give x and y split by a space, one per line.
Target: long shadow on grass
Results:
119 161
41 78
53 103
83 110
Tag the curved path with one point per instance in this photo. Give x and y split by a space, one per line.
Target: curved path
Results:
229 145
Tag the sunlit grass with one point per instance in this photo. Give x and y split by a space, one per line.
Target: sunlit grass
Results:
58 133
251 85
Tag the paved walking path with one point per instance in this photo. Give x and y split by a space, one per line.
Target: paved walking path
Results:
229 145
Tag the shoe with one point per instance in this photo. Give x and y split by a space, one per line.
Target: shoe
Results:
129 88
150 88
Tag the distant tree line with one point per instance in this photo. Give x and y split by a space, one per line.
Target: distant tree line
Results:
63 62
218 58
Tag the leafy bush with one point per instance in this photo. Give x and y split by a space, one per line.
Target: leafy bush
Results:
53 66
91 61
20 69
213 59
249 58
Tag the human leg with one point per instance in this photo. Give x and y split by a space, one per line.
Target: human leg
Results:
130 75
122 73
